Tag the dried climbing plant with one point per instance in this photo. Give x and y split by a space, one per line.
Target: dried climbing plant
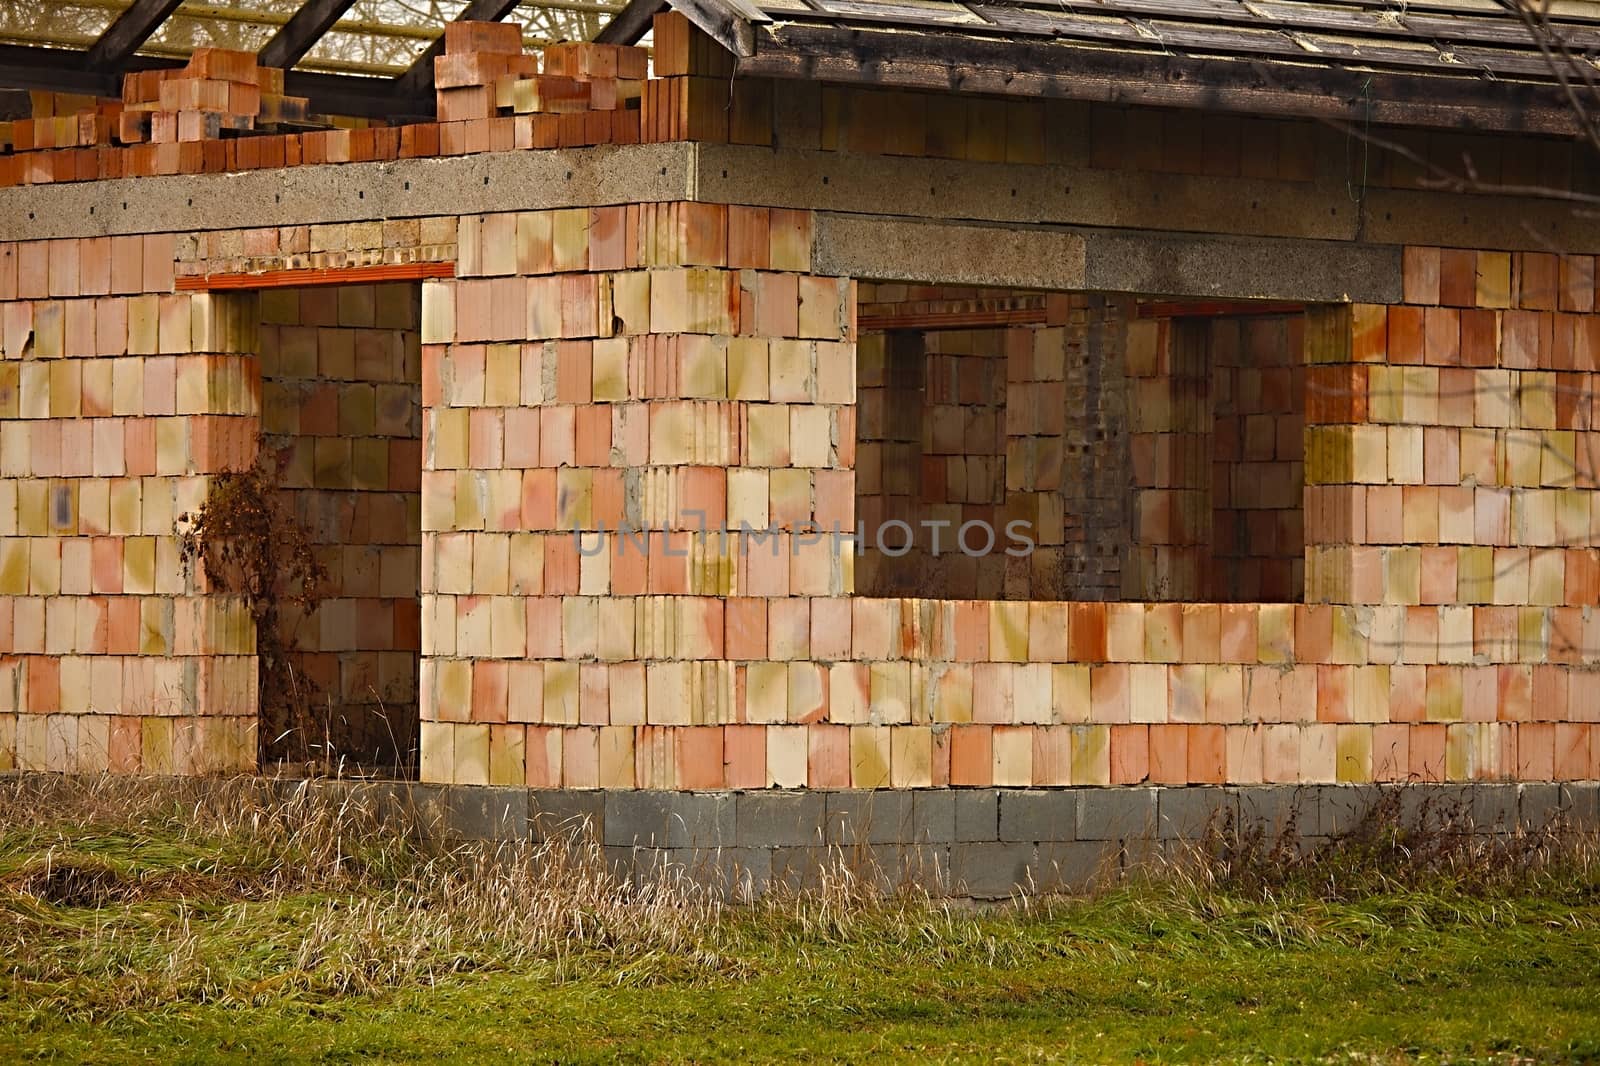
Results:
252 545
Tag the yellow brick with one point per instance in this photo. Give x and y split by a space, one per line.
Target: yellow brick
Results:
33 507
610 369
1368 454
574 498
767 692
616 757
560 693
470 765
1013 756
810 435
1069 692
1091 755
748 363
437 743
14 567
174 324
1494 279
570 239
1008 631
156 745
1354 755
453 678
438 312
911 757
449 438
502 382
870 756
790 375
172 446
65 388
33 397
768 443
630 301
890 688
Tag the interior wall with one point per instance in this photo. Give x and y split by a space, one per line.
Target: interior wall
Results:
1257 459
341 406
1147 458
1218 417
1021 424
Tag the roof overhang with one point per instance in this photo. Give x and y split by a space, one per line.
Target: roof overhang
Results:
1444 65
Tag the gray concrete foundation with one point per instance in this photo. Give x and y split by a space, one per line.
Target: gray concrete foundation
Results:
984 843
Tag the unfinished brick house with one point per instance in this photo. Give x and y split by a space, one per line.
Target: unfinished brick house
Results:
933 398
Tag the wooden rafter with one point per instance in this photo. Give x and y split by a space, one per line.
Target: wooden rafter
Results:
124 36
632 23
302 32
61 70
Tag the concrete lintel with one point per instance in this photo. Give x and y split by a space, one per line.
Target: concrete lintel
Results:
350 192
1021 192
1128 261
1070 195
948 253
1242 268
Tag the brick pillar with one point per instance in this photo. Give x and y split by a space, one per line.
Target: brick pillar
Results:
118 397
1450 496
625 367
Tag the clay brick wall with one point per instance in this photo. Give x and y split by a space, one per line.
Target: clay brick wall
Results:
341 408
118 396
1450 444
628 367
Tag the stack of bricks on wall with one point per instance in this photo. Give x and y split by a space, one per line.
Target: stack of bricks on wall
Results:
569 476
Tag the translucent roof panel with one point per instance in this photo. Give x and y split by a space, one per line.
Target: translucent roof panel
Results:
68 24
377 37
184 31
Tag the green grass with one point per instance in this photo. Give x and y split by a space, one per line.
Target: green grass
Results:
197 939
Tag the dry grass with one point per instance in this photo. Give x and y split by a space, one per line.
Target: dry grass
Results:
120 893
178 914
1437 847
352 901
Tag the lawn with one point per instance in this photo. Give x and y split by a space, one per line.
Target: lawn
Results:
154 925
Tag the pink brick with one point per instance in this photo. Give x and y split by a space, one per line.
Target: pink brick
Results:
971 755
1169 754
1243 753
700 757
1571 751
745 756
829 756
1426 749
1130 754
1207 754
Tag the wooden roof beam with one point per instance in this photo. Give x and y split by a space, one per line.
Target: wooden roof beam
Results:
731 23
302 32
631 23
124 36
